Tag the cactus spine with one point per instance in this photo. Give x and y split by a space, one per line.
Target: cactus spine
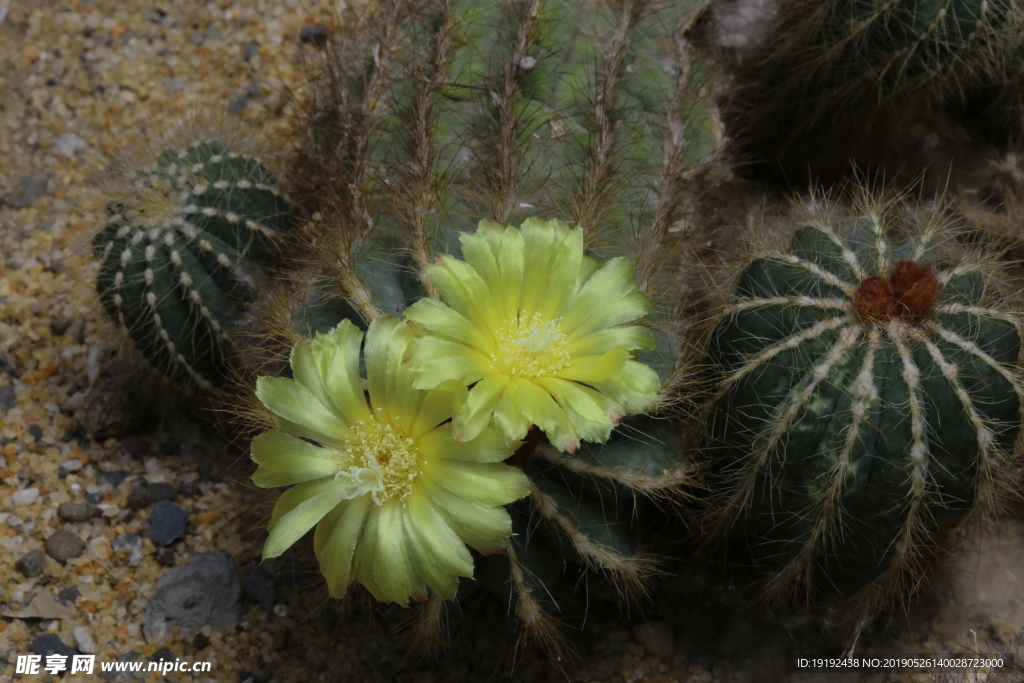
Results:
869 402
178 256
433 115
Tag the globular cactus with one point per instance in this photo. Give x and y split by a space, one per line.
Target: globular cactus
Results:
179 253
868 403
862 67
430 116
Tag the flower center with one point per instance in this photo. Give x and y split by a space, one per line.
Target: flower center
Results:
386 463
530 348
910 293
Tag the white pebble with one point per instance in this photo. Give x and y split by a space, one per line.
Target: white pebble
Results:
84 639
25 496
69 143
71 465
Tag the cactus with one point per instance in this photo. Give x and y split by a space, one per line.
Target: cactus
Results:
179 253
854 64
433 115
868 403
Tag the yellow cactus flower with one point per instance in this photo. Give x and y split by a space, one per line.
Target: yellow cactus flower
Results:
538 329
394 498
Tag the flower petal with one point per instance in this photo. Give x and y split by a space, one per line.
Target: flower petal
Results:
436 360
443 321
635 387
607 299
540 408
381 563
341 534
489 446
590 369
475 414
297 511
462 288
596 343
285 460
549 283
436 552
305 415
437 406
489 484
481 527
329 367
508 416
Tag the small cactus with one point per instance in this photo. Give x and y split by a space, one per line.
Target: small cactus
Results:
859 65
868 403
434 115
179 254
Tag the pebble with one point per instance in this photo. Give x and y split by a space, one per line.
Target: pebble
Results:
69 594
204 591
69 143
252 48
656 637
167 523
161 490
28 189
99 548
316 35
175 84
36 431
125 541
84 640
238 104
74 512
32 563
260 586
124 676
164 557
3 14
113 477
69 466
8 397
64 545
139 498
24 496
51 644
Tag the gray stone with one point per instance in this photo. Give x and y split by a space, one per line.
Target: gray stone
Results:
8 397
124 676
84 640
167 523
175 84
64 545
51 644
204 591
28 189
3 14
74 512
32 563
237 104
125 541
314 35
161 490
252 48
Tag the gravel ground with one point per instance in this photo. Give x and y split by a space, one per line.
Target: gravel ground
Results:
101 501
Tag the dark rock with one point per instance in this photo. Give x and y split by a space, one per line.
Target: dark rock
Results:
31 563
167 523
139 498
171 447
238 104
189 489
262 675
124 676
204 591
8 365
51 644
113 407
127 516
93 497
252 48
113 477
28 189
315 35
74 512
165 557
200 641
68 438
164 654
36 431
260 586
58 326
64 545
8 397
69 594
161 490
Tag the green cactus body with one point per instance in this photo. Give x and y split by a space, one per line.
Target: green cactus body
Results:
177 258
439 114
858 63
869 402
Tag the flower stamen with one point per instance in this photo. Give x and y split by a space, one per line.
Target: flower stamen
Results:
387 462
530 347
